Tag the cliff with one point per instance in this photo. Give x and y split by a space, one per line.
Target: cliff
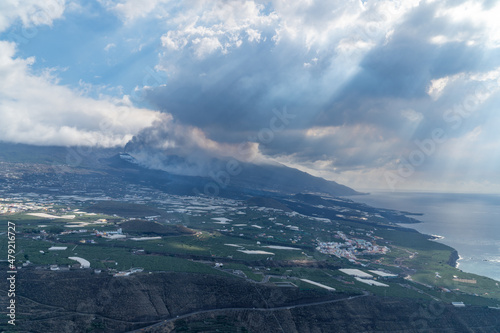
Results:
452 261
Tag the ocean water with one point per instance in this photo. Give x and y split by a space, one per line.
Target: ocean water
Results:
470 223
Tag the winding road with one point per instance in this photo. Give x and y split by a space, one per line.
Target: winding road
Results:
278 308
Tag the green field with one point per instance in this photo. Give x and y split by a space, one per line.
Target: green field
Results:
410 253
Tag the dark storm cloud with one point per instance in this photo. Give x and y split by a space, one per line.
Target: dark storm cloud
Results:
236 93
360 97
402 69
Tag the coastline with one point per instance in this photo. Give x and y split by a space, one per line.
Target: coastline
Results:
453 260
450 215
459 258
454 256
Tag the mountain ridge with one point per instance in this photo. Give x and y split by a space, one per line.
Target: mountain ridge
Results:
239 179
249 176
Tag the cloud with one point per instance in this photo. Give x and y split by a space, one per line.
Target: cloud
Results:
36 110
109 46
131 10
207 26
186 150
235 62
365 82
31 13
206 46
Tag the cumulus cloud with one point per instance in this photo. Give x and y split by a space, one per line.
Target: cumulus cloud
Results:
131 10
36 110
205 27
30 12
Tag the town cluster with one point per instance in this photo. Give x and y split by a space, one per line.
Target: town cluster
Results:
351 247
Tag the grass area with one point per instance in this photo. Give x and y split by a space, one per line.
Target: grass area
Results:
101 257
411 240
431 264
245 269
22 219
26 222
409 251
207 245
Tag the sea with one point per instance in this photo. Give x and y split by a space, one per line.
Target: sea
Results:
470 223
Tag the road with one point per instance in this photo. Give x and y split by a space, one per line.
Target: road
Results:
278 308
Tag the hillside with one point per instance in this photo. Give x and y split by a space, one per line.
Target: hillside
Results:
83 302
73 156
252 180
279 178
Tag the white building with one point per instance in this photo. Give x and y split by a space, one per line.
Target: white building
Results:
57 248
355 272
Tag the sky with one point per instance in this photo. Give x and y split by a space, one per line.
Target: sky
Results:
388 95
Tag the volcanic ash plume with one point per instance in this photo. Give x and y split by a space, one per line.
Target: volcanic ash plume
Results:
185 150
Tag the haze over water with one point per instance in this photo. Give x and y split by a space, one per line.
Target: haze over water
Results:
470 223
